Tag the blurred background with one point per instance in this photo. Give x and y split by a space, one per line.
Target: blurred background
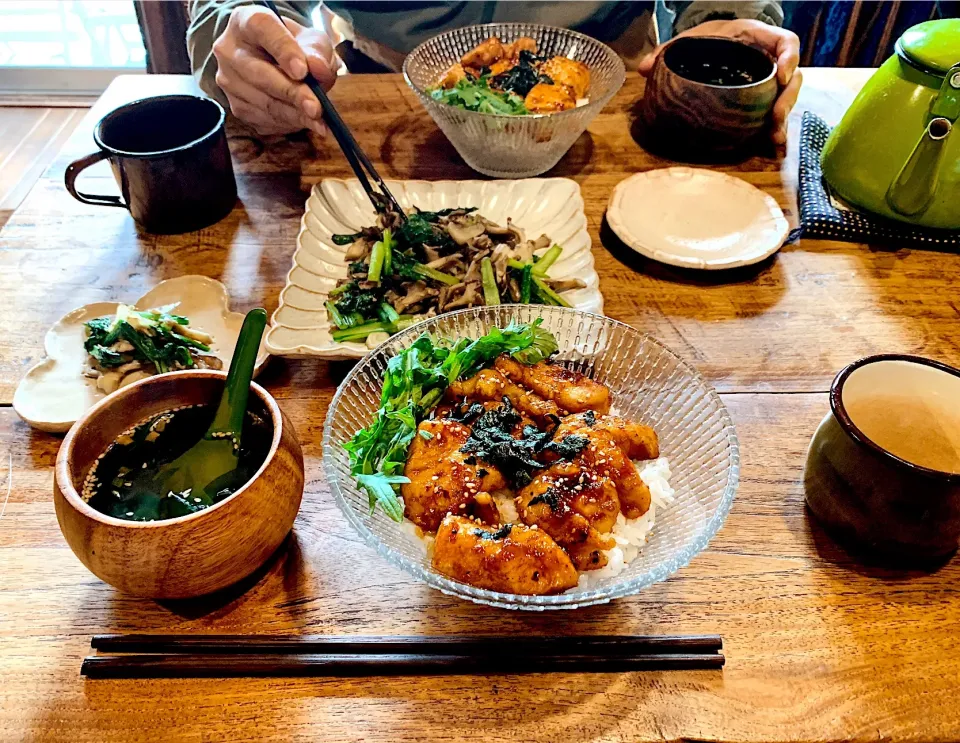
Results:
857 34
78 46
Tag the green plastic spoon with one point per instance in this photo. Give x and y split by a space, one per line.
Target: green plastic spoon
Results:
195 475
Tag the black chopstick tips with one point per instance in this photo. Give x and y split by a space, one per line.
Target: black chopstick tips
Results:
359 162
223 656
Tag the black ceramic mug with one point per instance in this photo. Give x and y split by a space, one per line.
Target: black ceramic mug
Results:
170 157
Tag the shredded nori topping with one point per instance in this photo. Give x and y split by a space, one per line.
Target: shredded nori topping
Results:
550 496
466 413
568 447
502 533
521 78
491 440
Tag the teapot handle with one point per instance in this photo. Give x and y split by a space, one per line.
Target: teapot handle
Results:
916 183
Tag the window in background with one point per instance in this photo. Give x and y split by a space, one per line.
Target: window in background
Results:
67 46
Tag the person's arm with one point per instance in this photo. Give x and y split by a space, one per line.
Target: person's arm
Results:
690 14
208 21
243 56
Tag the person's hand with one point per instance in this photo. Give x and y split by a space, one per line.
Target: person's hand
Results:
260 63
779 43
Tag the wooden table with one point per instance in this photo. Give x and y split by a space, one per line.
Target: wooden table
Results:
30 137
818 647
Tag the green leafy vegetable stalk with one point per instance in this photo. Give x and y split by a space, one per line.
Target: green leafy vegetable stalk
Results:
413 384
491 295
475 94
155 335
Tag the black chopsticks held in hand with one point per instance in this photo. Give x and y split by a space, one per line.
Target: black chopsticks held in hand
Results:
221 656
355 156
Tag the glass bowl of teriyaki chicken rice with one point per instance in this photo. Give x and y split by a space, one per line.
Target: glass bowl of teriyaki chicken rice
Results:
513 97
531 457
401 271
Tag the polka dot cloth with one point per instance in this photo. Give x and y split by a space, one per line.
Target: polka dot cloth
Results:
820 217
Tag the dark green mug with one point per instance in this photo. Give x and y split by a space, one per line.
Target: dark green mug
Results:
883 468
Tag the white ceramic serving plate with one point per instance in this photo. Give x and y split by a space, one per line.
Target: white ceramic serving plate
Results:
53 394
552 206
696 218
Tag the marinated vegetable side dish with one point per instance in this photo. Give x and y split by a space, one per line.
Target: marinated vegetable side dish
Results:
512 79
135 344
401 271
509 465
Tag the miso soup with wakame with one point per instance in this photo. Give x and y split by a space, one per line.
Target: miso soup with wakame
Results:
121 482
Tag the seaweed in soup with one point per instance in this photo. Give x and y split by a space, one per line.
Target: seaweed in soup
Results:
121 483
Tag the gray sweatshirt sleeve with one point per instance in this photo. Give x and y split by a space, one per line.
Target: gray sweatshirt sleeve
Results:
208 19
690 14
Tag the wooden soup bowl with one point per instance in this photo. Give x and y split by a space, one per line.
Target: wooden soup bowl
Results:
190 555
868 497
687 118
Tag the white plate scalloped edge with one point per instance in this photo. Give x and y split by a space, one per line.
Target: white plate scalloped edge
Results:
300 327
53 393
736 197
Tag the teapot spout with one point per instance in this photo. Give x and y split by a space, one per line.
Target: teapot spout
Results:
915 185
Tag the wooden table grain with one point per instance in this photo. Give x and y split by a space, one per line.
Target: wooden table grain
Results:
818 646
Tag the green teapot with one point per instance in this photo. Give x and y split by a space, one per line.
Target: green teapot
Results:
895 153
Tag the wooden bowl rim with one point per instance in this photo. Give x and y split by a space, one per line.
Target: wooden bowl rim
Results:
64 480
772 76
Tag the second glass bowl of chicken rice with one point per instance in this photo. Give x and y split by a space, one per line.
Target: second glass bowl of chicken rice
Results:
531 457
496 137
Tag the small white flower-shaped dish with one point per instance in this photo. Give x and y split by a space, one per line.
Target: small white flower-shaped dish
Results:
300 327
696 218
54 393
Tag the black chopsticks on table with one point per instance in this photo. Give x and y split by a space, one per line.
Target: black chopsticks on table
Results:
190 656
355 156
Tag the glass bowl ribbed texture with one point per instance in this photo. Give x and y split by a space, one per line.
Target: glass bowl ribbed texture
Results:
650 384
513 146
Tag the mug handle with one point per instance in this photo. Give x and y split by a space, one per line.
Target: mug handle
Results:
70 181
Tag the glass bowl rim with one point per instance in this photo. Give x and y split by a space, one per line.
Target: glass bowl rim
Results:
594 106
595 596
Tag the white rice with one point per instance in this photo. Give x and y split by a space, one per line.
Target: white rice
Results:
632 534
506 506
418 536
656 475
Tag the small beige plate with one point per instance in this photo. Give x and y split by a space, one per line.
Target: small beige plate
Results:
696 218
53 394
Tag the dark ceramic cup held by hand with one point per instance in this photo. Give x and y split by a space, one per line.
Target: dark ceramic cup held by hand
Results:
883 468
170 157
707 95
